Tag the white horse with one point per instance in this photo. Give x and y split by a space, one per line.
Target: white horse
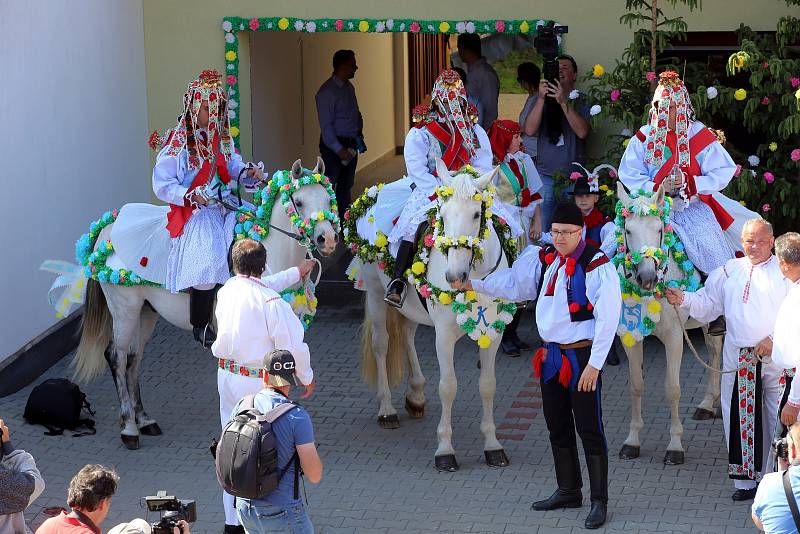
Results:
388 336
118 321
648 231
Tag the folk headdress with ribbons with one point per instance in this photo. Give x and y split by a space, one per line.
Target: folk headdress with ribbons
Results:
208 87
670 90
449 97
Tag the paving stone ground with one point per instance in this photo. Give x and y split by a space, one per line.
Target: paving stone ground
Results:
383 481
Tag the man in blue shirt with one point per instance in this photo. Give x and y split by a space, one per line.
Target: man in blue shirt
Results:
341 126
771 512
283 510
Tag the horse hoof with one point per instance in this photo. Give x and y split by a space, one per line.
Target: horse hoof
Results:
673 458
701 414
389 422
628 452
151 430
130 442
497 458
446 463
414 411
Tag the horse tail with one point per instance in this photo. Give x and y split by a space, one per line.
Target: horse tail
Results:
396 351
89 361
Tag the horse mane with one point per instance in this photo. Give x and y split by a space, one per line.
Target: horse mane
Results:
638 205
463 186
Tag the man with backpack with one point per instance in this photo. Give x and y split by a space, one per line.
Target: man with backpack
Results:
282 509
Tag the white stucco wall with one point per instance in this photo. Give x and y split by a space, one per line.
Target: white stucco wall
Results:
72 140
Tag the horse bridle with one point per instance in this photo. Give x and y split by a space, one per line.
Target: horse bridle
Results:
661 266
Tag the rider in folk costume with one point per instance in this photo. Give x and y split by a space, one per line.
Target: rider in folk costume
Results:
449 133
517 183
681 153
195 165
748 292
577 313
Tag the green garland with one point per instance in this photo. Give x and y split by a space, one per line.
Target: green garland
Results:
95 261
366 251
255 223
296 298
232 25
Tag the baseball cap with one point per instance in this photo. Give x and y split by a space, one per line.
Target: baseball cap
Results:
137 526
282 369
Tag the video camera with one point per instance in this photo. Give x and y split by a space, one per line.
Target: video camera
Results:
546 43
173 510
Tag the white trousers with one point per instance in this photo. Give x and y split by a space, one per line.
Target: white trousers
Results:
233 388
770 399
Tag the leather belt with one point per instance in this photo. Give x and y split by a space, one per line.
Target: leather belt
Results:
582 344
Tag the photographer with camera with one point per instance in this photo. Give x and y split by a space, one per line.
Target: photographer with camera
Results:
559 117
775 509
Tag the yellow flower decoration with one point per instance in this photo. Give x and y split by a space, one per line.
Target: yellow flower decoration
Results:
462 240
486 234
524 27
283 23
484 341
626 296
773 146
628 340
471 295
740 94
604 187
230 55
363 26
418 268
444 26
654 306
444 298
477 196
625 142
489 214
742 203
320 216
234 131
609 193
598 70
381 241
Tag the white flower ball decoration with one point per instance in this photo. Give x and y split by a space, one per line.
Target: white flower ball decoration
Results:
311 26
233 104
298 25
574 94
390 23
227 26
372 192
380 27
712 93
231 114
753 160
470 27
229 38
595 110
625 133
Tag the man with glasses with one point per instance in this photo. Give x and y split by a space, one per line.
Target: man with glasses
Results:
577 312
748 292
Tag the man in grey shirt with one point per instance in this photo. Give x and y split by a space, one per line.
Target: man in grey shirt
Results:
483 83
561 141
341 126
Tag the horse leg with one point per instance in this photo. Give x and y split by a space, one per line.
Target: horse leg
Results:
445 458
631 447
387 415
673 344
147 323
415 396
705 410
492 449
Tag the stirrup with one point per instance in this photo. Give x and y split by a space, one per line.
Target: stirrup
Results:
389 293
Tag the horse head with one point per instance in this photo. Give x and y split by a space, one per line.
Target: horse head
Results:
311 200
461 215
643 231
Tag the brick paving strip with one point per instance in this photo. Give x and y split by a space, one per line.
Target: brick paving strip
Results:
379 481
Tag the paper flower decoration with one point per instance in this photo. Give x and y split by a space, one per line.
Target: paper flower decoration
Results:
598 70
740 94
753 160
712 93
594 110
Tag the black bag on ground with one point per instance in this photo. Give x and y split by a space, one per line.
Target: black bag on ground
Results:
247 455
56 404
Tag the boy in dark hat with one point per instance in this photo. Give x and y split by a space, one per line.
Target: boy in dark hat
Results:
577 313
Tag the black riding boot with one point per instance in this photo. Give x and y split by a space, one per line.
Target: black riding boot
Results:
598 482
568 477
508 343
613 355
396 291
201 310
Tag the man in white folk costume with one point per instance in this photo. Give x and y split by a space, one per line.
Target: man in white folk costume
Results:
786 336
253 320
195 165
680 152
748 292
577 312
447 132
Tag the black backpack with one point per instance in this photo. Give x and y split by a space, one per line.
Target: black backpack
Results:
247 455
56 404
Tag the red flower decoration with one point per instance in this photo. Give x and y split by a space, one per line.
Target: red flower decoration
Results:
143 261
574 307
589 306
500 26
243 371
339 25
253 24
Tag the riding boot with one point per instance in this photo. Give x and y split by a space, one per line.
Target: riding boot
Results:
598 482
201 311
568 477
613 355
521 345
717 327
507 344
396 291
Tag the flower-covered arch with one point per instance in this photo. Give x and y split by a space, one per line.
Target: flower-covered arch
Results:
232 25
